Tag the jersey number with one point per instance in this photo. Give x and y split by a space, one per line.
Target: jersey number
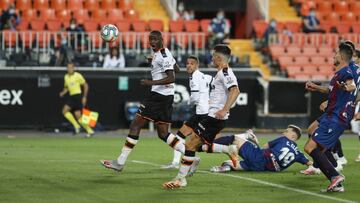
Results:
286 156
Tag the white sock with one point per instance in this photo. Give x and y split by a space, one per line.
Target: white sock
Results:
204 148
177 157
126 150
218 148
185 166
244 136
179 146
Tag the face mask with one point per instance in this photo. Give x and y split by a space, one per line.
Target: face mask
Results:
220 16
63 41
181 8
72 26
273 24
312 14
11 11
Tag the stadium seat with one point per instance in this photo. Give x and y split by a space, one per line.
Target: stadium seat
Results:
129 40
53 25
341 7
23 4
37 25
277 51
198 40
351 36
301 60
123 25
326 26
318 60
4 4
9 38
204 24
285 61
75 5
330 60
98 14
310 69
331 39
155 24
115 14
326 69
126 4
319 77
293 70
58 4
354 6
324 7
294 27
356 28
28 14
23 25
191 26
260 27
144 40
139 25
91 26
47 14
108 4
131 14
302 76
343 28
27 38
42 39
309 51
41 4
63 15
315 39
325 51
91 5
293 51
348 17
332 17
182 39
176 26
81 15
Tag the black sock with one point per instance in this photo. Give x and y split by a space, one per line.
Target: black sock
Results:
315 164
331 158
339 149
226 140
324 164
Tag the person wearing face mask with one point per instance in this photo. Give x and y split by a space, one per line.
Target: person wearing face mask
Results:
311 23
75 30
219 29
271 31
183 14
9 19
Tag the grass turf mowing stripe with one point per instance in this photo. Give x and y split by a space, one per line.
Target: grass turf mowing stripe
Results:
259 182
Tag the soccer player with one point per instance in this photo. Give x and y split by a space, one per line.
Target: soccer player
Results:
276 155
73 81
199 84
338 114
223 94
157 107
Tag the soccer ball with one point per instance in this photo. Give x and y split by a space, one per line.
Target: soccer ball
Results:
109 33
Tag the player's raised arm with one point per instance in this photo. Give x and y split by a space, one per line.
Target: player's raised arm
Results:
312 87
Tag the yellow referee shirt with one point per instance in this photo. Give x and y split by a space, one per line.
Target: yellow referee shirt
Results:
73 83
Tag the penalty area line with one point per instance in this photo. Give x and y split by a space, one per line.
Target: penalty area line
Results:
254 180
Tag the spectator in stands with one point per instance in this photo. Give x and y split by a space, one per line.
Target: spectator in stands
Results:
76 31
115 59
183 14
9 19
219 29
311 23
271 32
64 54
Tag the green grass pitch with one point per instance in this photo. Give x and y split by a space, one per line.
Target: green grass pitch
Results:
66 169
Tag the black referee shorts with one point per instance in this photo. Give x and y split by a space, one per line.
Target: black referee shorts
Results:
157 108
74 102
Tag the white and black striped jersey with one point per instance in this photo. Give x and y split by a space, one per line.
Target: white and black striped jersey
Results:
199 87
162 61
219 90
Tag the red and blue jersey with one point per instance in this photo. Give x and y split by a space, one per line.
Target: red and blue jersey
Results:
341 103
282 153
356 72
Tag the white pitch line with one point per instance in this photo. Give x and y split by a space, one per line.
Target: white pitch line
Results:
260 182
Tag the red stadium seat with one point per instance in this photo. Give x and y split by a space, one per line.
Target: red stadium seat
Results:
129 40
354 7
115 14
285 61
4 4
53 25
330 60
343 28
326 69
324 7
91 26
108 4
293 51
91 4
37 25
41 4
182 39
23 4
302 60
139 25
156 24
176 26
331 39
332 17
302 76
27 38
75 4
192 26
310 69
260 27
98 14
318 60
325 51
199 40
293 70
24 25
131 14
348 17
319 77
63 15
58 4
315 39
81 16
294 27
277 51
309 51
204 24
356 28
28 14
326 25
126 4
9 38
341 7
47 14
123 25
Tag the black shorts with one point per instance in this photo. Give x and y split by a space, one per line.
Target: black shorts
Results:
74 102
194 120
157 108
207 128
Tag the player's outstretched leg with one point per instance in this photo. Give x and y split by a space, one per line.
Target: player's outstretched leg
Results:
177 154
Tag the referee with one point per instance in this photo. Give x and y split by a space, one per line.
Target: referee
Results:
73 81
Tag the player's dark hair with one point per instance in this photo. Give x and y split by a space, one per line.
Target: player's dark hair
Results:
350 43
194 58
357 53
346 50
223 49
156 33
296 129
